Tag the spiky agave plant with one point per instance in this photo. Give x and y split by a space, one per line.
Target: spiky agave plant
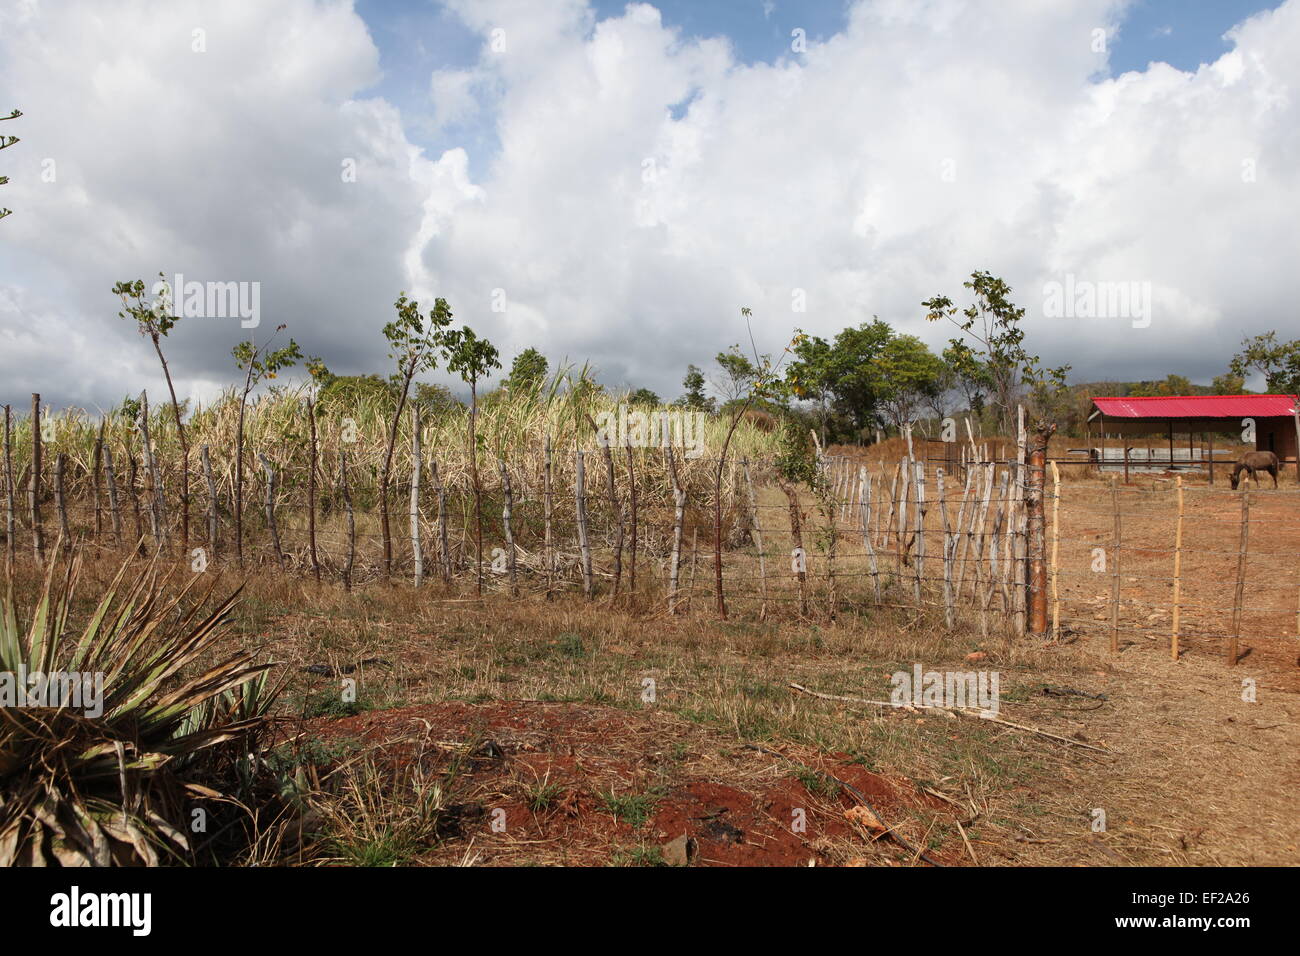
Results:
108 782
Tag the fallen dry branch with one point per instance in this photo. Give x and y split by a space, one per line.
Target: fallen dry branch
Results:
961 711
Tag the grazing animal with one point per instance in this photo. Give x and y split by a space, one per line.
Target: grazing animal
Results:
763 421
1254 462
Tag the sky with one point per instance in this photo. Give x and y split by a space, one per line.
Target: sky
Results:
611 183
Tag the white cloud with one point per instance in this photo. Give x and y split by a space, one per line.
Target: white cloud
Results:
925 141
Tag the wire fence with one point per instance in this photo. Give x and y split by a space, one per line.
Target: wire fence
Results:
996 543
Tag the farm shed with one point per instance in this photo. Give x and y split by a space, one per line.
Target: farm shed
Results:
1276 424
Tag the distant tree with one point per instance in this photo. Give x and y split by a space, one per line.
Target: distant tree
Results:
1170 385
854 385
694 396
257 363
434 399
413 344
738 374
811 374
474 358
154 320
527 371
643 396
996 342
1228 384
1278 362
909 373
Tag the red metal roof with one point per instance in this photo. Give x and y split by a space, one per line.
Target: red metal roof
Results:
1198 406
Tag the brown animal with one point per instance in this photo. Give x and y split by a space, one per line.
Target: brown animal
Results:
1254 462
763 421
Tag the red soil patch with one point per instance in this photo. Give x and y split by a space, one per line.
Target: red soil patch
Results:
740 807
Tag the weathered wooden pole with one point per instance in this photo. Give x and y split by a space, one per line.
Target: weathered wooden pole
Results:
417 553
94 474
758 535
114 509
632 503
940 492
1056 541
864 479
584 543
1239 596
34 485
548 542
206 462
679 516
11 524
346 570
1178 570
1037 531
60 503
311 491
1115 566
270 508
507 510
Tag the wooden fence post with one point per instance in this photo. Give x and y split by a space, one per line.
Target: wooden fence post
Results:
1056 540
1115 566
60 502
444 549
11 523
829 509
270 508
679 517
211 482
616 510
758 535
352 520
417 553
1178 570
114 510
1036 530
584 543
507 510
133 478
1237 608
918 557
631 486
311 492
798 555
151 470
864 503
34 485
548 543
95 477
939 490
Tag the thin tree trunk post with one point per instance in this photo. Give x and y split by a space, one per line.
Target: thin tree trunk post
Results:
616 511
1037 544
94 473
918 559
444 549
548 545
584 543
1056 541
758 536
832 533
417 552
311 492
679 517
864 504
1178 571
206 462
114 509
1211 456
135 504
60 503
507 510
799 558
352 520
34 484
1115 566
11 523
270 508
949 611
1239 596
631 487
151 472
